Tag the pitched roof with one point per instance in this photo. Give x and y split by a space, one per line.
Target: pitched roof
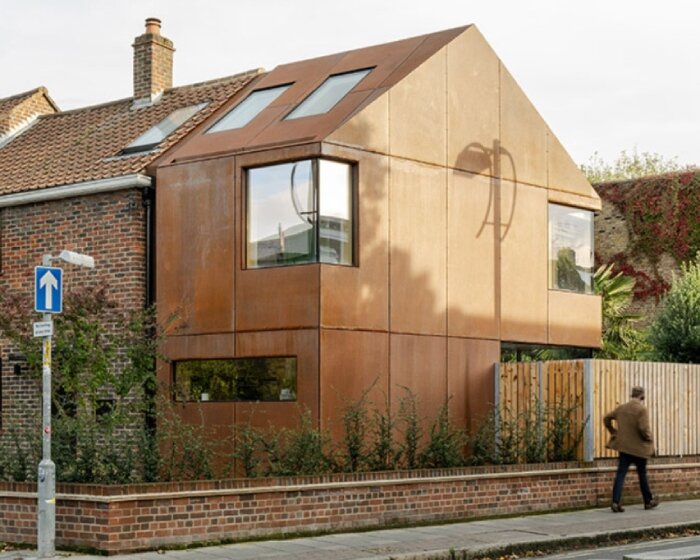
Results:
390 63
84 144
20 108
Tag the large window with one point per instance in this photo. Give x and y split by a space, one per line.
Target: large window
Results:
239 379
327 95
300 212
248 109
570 249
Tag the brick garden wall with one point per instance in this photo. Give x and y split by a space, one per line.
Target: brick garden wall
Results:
116 519
110 227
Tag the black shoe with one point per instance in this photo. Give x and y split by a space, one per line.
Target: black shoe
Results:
651 505
617 508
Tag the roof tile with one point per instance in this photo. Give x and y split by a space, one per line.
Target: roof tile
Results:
84 144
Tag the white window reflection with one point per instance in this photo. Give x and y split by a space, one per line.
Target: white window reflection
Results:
328 94
571 249
298 213
248 109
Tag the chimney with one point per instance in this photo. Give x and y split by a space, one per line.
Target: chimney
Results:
153 63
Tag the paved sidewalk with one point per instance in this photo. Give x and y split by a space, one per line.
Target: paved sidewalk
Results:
474 537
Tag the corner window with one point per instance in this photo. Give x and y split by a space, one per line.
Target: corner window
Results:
156 134
300 212
327 95
239 379
570 249
248 109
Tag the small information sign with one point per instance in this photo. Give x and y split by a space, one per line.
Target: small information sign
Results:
43 328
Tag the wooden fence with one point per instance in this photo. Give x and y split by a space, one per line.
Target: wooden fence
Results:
590 388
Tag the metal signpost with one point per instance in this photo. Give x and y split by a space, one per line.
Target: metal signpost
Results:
48 299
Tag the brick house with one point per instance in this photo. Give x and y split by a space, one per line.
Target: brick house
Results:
385 218
82 180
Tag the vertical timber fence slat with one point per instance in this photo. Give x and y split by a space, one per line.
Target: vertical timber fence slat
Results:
590 388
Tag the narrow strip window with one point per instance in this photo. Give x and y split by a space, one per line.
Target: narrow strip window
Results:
236 379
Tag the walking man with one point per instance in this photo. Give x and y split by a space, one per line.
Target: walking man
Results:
631 437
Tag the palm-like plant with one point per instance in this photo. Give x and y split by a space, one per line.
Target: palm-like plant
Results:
620 339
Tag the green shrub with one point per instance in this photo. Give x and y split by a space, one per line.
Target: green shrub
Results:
247 441
411 429
675 333
563 433
355 434
538 434
446 444
299 451
186 450
383 453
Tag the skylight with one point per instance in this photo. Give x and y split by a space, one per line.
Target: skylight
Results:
156 134
248 109
325 97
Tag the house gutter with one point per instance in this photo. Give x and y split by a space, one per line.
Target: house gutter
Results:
76 189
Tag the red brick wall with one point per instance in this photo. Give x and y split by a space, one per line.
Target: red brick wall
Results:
128 518
110 227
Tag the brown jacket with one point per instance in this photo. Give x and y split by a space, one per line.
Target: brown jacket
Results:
632 433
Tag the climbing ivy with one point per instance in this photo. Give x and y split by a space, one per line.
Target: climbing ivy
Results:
662 214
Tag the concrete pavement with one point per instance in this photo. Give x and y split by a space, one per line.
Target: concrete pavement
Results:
470 539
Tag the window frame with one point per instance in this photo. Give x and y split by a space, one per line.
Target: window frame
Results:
552 284
290 115
184 400
283 87
131 149
354 210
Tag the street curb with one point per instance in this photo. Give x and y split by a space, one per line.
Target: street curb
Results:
548 546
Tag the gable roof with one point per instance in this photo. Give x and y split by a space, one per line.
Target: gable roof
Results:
84 144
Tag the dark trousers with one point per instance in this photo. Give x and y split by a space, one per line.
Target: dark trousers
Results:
623 465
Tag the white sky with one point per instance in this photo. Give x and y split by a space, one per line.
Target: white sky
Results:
607 75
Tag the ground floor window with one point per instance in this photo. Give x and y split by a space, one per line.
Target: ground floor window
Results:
514 352
236 379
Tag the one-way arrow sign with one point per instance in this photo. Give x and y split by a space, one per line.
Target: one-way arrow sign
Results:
48 289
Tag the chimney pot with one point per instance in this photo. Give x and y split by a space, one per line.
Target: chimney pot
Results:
153 26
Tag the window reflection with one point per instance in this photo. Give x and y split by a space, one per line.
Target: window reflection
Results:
248 109
240 379
571 249
300 212
328 94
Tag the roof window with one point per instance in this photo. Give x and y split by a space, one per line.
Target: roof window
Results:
156 134
328 94
248 109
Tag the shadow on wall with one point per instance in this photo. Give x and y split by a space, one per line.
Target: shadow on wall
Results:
419 354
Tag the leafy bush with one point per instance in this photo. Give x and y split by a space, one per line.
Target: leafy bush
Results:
299 451
411 429
539 434
675 333
446 445
103 377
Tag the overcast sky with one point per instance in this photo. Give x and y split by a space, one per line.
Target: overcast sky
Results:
607 75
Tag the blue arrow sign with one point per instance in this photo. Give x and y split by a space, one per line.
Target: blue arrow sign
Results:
48 289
